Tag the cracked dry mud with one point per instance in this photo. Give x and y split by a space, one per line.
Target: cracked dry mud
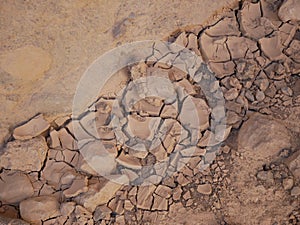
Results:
248 175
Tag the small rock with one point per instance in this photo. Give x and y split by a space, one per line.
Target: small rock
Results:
169 111
28 155
39 208
266 176
32 128
288 183
182 40
204 189
226 149
14 187
289 10
295 191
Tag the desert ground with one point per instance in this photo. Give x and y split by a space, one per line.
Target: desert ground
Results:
150 112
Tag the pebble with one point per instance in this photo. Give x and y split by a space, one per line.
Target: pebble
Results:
295 191
204 189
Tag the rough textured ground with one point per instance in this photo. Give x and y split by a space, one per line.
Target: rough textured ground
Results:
253 177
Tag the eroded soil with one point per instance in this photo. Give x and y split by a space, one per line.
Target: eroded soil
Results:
248 175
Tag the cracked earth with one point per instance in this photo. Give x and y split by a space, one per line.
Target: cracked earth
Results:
239 164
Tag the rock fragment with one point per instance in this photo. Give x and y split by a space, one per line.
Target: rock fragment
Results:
38 209
14 187
204 189
27 155
288 183
295 191
32 128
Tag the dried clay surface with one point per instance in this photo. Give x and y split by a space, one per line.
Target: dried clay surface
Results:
129 158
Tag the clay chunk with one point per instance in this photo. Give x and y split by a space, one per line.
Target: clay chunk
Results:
32 128
37 209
